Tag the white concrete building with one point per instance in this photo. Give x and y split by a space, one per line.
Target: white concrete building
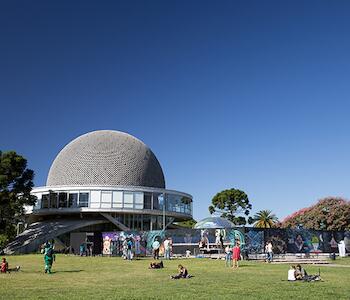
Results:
99 181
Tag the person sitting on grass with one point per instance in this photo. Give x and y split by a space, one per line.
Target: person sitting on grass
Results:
5 267
183 273
156 265
300 273
291 274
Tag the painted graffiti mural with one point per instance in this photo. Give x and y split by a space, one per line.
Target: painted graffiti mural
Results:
252 240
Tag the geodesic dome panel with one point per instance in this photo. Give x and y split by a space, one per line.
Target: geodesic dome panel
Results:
213 222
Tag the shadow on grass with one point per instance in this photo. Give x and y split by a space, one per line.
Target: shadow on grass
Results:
67 271
241 267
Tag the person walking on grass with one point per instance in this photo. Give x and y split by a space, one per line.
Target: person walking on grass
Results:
269 252
236 255
49 257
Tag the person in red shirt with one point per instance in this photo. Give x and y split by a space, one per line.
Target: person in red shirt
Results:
4 265
236 255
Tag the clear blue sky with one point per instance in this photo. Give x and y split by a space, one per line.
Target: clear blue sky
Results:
246 94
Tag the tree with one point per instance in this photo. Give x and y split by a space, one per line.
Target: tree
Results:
332 213
265 219
16 182
232 204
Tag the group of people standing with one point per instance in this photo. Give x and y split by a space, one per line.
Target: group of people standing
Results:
167 245
128 247
86 249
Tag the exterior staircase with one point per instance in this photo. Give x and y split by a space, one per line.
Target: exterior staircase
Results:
38 233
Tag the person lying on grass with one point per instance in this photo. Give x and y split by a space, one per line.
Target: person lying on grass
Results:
183 273
156 265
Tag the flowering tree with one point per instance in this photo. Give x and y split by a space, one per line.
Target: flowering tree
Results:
332 213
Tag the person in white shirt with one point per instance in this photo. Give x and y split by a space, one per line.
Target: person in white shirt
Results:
291 273
269 252
166 248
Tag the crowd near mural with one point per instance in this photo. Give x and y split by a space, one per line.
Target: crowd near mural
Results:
201 241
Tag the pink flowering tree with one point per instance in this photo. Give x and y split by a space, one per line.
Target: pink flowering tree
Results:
331 213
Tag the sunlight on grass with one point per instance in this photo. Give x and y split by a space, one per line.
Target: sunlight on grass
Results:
113 278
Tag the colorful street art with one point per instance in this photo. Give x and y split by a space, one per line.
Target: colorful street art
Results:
252 240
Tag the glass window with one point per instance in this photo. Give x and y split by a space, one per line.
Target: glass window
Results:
128 200
45 201
171 202
73 200
159 222
95 200
117 200
147 201
154 223
137 222
138 200
161 201
83 199
37 204
156 199
62 200
146 220
106 199
53 200
178 203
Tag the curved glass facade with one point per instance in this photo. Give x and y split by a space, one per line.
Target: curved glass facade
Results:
114 200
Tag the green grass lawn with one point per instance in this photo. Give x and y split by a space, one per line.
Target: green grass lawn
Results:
114 278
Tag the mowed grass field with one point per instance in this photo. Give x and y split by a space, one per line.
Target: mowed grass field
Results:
77 277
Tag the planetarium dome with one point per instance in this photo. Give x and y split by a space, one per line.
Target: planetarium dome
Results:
106 158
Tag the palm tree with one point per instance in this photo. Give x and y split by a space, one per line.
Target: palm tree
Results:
265 219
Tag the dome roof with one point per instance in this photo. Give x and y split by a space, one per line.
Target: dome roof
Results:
214 222
106 158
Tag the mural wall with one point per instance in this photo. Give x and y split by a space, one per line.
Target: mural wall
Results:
252 240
